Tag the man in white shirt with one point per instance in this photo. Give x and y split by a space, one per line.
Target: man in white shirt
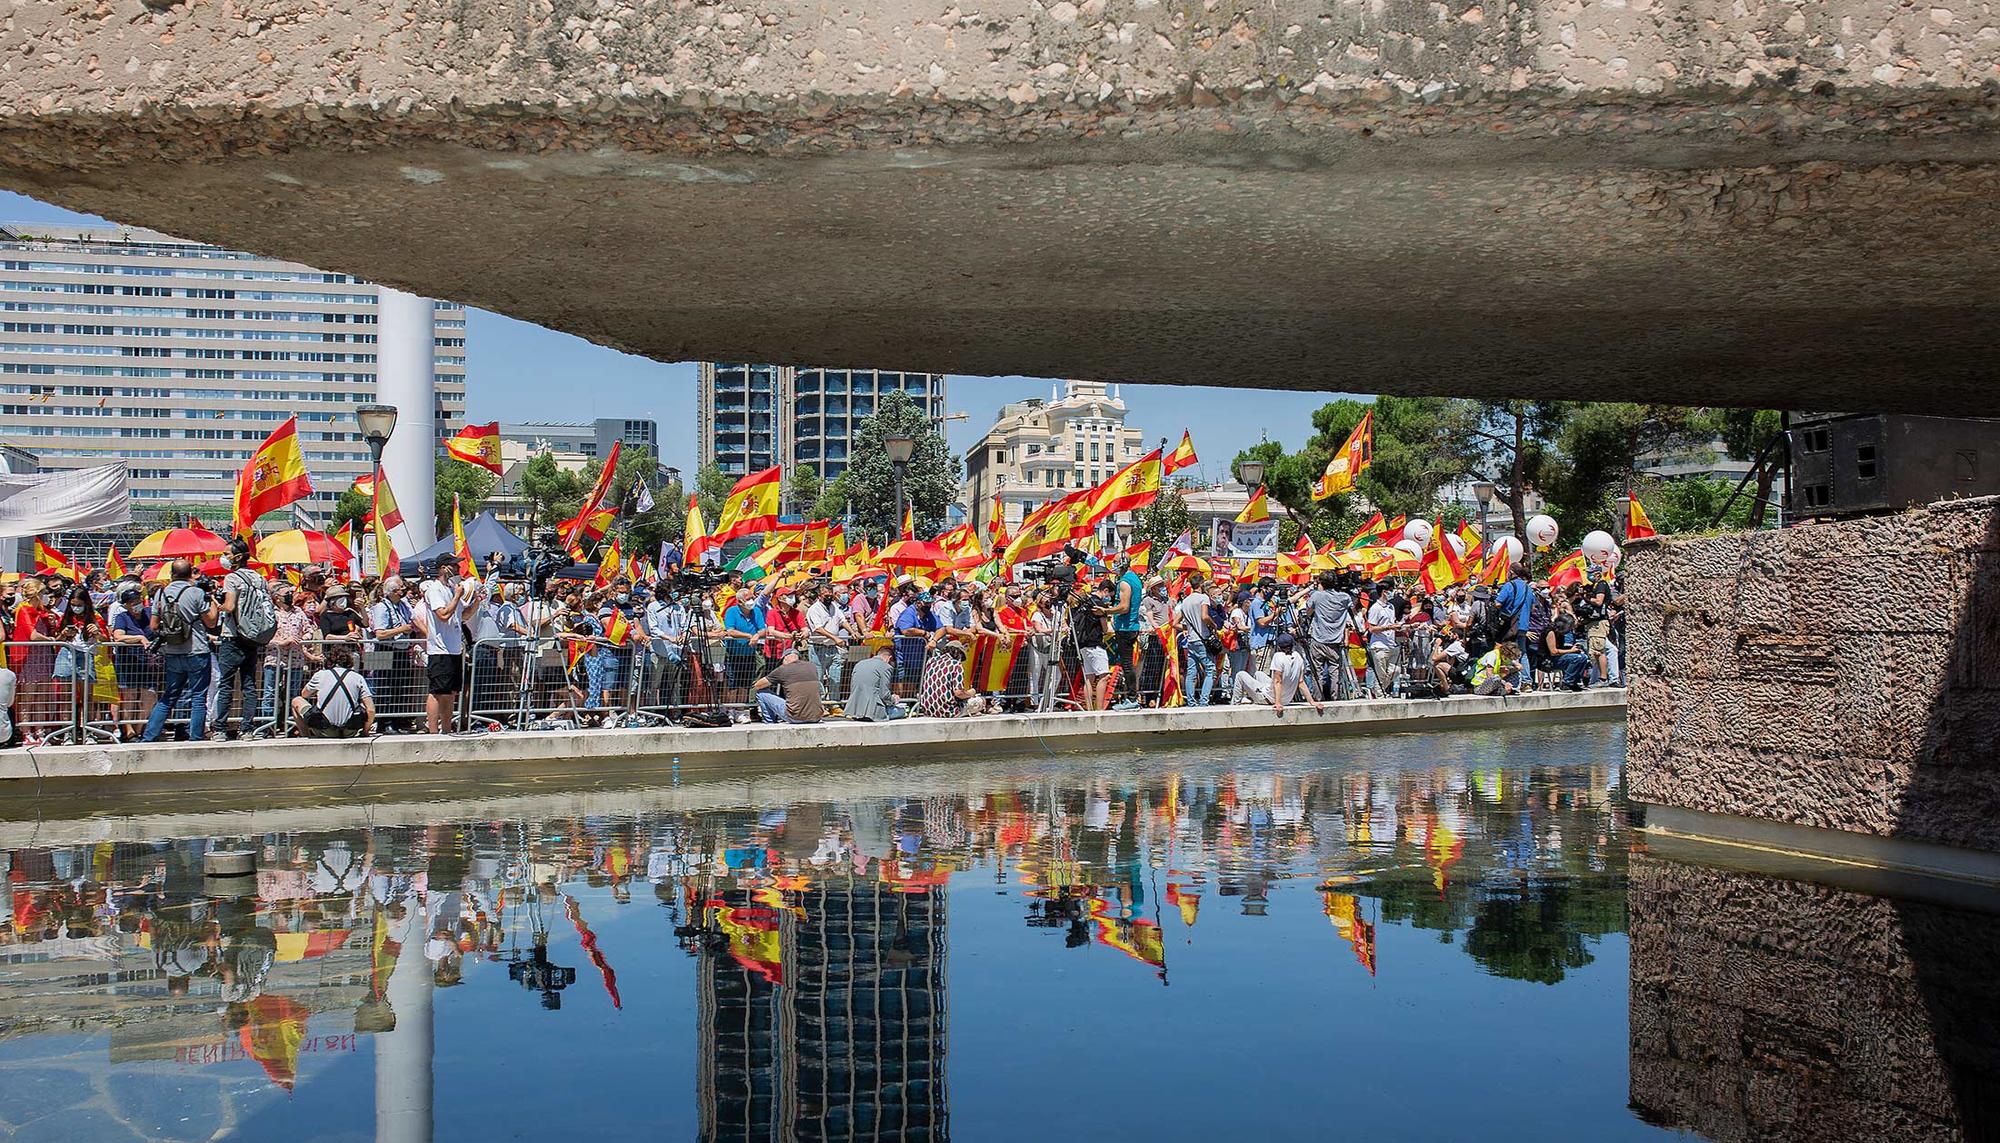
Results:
447 602
1382 642
829 627
1282 684
1198 672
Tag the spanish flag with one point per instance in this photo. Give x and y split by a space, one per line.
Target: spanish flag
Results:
592 519
697 540
1257 510
387 517
1637 525
477 444
752 506
114 565
364 485
996 525
49 561
618 629
1570 570
274 476
1141 555
1353 458
1182 456
1129 489
1367 532
1049 528
909 523
459 547
1442 566
608 567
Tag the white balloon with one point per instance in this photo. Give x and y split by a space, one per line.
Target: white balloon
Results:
1598 547
1511 545
1420 531
1411 546
1542 531
1457 545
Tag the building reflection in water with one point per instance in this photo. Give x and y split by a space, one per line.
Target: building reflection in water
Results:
816 928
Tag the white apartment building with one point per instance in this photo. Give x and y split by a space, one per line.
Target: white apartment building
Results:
1038 451
179 358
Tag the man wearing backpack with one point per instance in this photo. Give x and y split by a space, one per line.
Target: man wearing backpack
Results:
180 632
1511 627
249 619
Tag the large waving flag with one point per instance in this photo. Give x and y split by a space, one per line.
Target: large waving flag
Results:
1048 528
1182 456
114 565
1129 489
49 561
1571 569
752 506
459 547
477 444
386 517
1637 525
274 476
1353 458
697 538
592 519
1257 510
1442 566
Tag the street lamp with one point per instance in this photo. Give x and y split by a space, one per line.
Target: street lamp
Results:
1483 490
1250 472
377 422
900 448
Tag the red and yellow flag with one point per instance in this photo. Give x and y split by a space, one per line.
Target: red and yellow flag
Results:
1048 528
1365 536
697 539
592 518
909 523
477 444
274 476
608 567
996 525
1257 510
1129 489
1141 555
459 547
386 517
114 565
1637 525
49 561
752 506
1571 569
344 536
1353 458
1442 566
364 485
1182 456
618 629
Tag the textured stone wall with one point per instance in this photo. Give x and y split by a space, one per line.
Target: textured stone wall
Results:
1843 675
1708 200
1764 1009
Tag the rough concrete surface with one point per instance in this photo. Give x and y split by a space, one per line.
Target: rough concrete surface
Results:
1843 675
1778 203
1764 1009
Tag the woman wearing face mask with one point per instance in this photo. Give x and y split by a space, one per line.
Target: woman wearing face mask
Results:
34 658
131 632
78 632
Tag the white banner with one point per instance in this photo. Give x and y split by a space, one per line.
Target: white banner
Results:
81 499
1236 541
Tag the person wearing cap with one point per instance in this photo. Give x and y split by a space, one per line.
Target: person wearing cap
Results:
1283 683
916 629
942 693
131 638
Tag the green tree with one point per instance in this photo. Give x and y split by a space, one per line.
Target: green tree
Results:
711 489
932 480
1744 433
1690 505
1162 522
833 499
471 483
351 506
552 492
802 490
1598 445
643 531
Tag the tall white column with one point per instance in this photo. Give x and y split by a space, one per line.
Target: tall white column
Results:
404 378
403 1056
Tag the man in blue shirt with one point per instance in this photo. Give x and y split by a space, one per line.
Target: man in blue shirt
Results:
1125 626
1512 602
743 621
666 625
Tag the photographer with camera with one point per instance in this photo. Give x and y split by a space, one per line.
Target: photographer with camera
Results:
249 619
180 631
448 602
1200 644
1327 614
665 626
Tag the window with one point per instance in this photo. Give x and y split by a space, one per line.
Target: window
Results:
1864 462
1816 440
1817 495
999 456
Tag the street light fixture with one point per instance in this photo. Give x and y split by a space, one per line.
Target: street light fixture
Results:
1483 490
1250 472
900 448
377 422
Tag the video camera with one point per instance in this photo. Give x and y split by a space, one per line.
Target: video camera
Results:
1050 570
700 578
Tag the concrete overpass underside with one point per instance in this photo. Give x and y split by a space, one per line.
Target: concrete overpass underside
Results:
1754 202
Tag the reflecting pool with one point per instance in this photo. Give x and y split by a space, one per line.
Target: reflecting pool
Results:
1406 937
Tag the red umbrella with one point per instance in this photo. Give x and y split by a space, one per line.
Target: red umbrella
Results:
913 553
170 543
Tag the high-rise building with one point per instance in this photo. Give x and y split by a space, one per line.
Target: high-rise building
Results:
1038 451
754 416
179 358
853 1045
588 438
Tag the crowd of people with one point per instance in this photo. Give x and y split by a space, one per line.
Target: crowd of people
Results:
244 655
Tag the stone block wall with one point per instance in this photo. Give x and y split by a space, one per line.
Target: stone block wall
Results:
1843 675
1769 1009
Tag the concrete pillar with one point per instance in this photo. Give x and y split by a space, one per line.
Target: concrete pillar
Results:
404 378
403 1056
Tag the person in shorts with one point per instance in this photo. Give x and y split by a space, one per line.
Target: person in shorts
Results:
447 602
336 701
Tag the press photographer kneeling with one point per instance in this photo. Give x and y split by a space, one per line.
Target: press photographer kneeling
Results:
336 701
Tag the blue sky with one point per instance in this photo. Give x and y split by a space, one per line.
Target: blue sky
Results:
510 365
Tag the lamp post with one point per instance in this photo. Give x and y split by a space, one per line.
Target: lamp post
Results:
1250 472
900 448
376 422
1483 490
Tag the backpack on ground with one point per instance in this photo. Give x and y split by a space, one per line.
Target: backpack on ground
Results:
175 627
256 615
